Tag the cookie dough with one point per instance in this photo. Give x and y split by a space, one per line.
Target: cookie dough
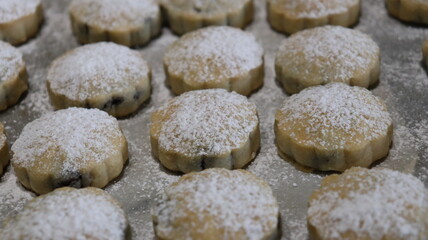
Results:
19 20
106 76
74 147
217 204
290 16
13 75
69 214
369 204
334 127
327 54
205 129
188 15
215 57
127 22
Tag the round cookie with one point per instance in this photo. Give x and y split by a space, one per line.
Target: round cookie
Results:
188 15
215 57
217 204
415 11
19 20
290 16
74 147
69 214
127 22
106 76
333 127
327 54
205 129
13 75
4 150
369 204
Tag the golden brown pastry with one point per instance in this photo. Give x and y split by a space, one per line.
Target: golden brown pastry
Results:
217 204
13 75
215 57
127 22
68 214
19 20
363 204
205 129
327 54
290 16
106 76
188 15
334 127
415 11
73 147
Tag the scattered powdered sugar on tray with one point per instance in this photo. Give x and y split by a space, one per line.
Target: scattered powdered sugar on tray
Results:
78 136
371 204
330 53
11 10
229 202
314 8
12 195
334 116
11 61
114 14
96 69
205 122
213 54
69 214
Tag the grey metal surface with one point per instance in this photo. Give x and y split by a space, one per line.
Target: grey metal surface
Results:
403 85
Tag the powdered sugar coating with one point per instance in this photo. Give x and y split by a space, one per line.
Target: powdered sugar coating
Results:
327 54
97 69
213 54
68 213
206 122
72 139
11 10
334 116
11 62
232 204
313 8
372 204
113 15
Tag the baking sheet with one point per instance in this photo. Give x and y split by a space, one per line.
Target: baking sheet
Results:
403 85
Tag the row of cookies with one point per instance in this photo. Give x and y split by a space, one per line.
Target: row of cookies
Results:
116 79
134 22
224 204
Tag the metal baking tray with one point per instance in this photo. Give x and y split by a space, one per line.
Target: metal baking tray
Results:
403 85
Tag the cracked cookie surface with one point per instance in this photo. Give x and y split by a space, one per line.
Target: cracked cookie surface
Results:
73 147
